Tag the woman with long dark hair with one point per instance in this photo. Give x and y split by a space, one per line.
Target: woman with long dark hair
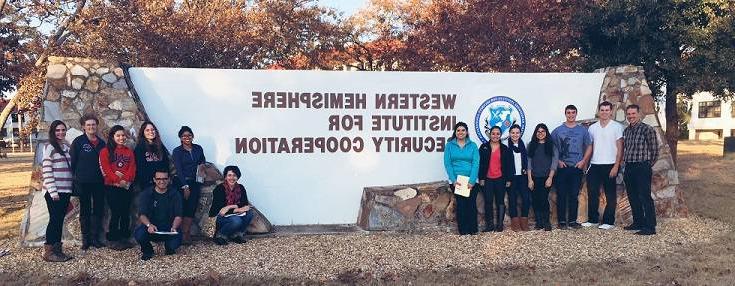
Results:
543 158
117 162
88 181
57 185
187 158
150 155
495 178
461 158
519 184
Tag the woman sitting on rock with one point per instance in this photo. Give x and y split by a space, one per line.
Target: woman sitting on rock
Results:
231 206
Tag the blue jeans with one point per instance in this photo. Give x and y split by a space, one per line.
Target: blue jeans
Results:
171 242
229 225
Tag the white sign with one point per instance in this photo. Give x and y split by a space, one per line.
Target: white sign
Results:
308 142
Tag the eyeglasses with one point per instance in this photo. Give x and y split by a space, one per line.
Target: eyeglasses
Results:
161 179
541 131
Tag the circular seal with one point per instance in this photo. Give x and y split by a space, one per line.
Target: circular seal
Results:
501 111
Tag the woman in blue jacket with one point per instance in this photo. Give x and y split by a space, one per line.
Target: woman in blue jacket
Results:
187 158
461 158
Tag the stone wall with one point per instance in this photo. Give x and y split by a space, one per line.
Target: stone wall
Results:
78 86
430 206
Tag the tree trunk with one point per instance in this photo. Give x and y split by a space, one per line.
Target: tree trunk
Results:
672 119
8 108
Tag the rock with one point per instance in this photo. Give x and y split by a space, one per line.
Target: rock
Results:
620 115
55 71
647 105
52 95
77 83
69 94
51 111
405 194
384 218
78 70
93 84
212 175
118 72
651 120
102 70
408 207
386 200
109 78
260 224
120 84
427 211
442 201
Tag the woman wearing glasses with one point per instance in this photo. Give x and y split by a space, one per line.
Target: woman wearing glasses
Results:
543 157
187 158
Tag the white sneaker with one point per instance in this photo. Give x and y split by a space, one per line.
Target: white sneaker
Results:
606 226
589 224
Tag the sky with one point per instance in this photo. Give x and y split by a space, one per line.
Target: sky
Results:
349 7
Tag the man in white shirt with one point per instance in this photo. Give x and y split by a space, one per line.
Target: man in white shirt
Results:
607 152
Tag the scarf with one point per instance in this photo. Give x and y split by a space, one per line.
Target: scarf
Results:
521 148
232 194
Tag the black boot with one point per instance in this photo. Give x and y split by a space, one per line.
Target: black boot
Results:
84 226
96 230
499 218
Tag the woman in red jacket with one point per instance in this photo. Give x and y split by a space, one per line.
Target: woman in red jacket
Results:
117 162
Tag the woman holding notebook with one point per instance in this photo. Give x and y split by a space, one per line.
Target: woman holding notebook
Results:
461 162
231 206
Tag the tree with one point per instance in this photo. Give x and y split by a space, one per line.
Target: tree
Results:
685 46
295 34
493 35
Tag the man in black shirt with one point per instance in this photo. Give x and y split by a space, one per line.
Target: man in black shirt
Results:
160 216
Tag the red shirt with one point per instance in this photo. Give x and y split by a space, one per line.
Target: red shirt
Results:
123 161
494 171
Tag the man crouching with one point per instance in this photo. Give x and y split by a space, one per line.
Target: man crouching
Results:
160 216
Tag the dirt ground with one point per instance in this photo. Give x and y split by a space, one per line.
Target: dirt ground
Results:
705 180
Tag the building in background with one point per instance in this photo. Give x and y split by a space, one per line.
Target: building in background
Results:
711 118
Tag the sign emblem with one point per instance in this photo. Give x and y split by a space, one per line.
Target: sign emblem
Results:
498 111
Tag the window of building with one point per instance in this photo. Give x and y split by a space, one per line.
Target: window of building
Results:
709 109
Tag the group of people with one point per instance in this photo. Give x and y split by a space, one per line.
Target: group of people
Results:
99 172
560 158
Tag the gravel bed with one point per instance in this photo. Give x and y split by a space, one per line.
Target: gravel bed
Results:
324 257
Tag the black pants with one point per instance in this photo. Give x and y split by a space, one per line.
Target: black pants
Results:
519 188
91 199
600 175
494 189
637 179
119 201
56 214
568 181
466 212
540 200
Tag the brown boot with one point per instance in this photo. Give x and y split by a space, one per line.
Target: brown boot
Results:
50 255
524 224
59 251
515 224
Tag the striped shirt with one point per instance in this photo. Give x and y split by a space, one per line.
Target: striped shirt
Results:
55 172
640 143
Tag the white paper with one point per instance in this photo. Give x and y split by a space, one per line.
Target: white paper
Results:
464 188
